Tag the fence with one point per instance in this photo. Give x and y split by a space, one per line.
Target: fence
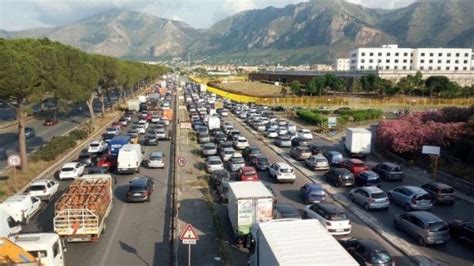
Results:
339 101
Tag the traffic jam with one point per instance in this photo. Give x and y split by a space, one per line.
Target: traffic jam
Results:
296 175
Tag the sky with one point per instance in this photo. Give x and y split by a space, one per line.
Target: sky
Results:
27 14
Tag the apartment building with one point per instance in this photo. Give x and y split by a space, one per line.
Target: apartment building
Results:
342 64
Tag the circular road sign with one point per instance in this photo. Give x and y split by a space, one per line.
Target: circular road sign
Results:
14 160
181 161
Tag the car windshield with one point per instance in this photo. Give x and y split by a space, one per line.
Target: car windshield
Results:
215 162
84 156
423 197
286 170
237 160
338 217
377 257
229 152
262 160
37 188
249 173
94 145
155 158
321 161
209 147
437 227
67 169
379 195
446 190
317 193
136 188
396 169
359 164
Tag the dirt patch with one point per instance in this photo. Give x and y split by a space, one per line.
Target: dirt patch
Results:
251 89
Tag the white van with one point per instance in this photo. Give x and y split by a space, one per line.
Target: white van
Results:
8 225
46 247
129 159
21 207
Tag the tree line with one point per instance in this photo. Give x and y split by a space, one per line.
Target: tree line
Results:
411 85
33 69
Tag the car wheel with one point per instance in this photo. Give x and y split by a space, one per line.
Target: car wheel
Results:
421 241
407 207
366 207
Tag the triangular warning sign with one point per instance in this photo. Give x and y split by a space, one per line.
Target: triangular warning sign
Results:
189 233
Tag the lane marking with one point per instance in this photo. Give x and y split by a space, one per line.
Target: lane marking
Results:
109 245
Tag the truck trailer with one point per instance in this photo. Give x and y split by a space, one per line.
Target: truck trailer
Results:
285 242
358 141
81 212
133 105
249 203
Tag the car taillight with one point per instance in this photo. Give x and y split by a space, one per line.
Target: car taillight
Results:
328 223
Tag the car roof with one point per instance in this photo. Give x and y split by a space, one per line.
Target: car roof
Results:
96 141
139 181
342 170
248 168
214 158
330 208
319 156
334 153
372 189
70 164
314 186
390 164
440 185
371 244
286 208
414 189
283 165
156 153
209 144
40 182
426 216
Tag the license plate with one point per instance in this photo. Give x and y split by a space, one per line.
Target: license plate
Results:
339 230
137 194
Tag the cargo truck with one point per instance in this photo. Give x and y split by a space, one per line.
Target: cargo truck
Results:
81 212
249 203
358 141
133 105
214 122
295 242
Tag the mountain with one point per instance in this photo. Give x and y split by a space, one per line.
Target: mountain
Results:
121 33
310 32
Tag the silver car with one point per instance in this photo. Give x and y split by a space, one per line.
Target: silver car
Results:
411 198
156 160
370 197
214 163
209 149
317 162
426 227
235 163
226 154
283 141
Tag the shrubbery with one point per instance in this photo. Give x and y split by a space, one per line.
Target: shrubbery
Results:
320 117
78 134
361 115
311 117
57 145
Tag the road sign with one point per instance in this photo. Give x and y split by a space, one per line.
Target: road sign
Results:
433 150
332 122
189 233
14 160
189 242
181 161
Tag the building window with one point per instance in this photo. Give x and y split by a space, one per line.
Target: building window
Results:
440 54
388 60
353 61
387 67
388 54
362 60
411 61
456 68
466 55
439 61
411 54
397 54
456 61
371 60
439 68
448 68
448 54
457 54
431 61
370 67
465 61
371 54
404 60
379 61
430 68
363 54
380 54
395 67
362 67
396 60
422 61
353 55
405 54
422 68
422 54
431 54
448 61
404 67
464 68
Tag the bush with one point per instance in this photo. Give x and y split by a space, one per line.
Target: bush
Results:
55 147
78 134
311 117
362 115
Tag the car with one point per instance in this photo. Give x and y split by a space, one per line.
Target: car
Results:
113 130
312 193
248 173
249 151
389 171
71 171
220 137
440 192
97 146
282 172
43 189
223 145
219 176
222 191
140 189
128 117
305 134
271 133
291 128
339 177
107 161
141 129
94 170
370 198
334 157
240 143
123 121
282 131
367 178
411 198
232 133
86 158
330 216
208 149
161 133
463 230
425 227
300 153
235 163
143 122
317 162
285 211
151 139
356 166
367 251
214 163
226 153
203 138
259 161
299 141
315 149
156 160
50 121
116 125
29 132
283 141
155 118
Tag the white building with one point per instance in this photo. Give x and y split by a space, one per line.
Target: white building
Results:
342 64
391 57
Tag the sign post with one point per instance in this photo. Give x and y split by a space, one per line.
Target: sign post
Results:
189 237
14 161
434 152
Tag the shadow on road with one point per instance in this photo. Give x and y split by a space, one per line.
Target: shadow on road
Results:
130 249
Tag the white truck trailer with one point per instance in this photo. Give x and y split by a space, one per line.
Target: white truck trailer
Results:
133 105
358 141
287 242
213 122
81 212
249 203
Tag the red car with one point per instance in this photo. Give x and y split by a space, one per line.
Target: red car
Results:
356 166
50 121
248 173
148 116
117 125
107 161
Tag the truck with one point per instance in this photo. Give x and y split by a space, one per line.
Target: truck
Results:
133 105
129 159
213 122
202 88
21 207
80 214
295 242
167 115
45 249
249 203
117 143
358 141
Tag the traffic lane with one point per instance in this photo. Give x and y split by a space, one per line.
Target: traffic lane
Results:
289 193
137 233
453 252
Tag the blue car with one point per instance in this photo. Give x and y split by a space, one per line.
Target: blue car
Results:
312 193
367 179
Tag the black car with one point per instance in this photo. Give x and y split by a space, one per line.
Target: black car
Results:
298 141
97 170
218 176
463 230
339 177
107 136
140 189
250 150
259 161
151 139
219 138
29 132
86 158
315 149
389 171
367 251
367 178
285 210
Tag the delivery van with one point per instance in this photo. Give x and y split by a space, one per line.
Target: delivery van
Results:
8 226
129 159
21 207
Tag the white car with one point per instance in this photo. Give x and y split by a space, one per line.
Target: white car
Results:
97 146
143 123
282 172
156 160
214 163
330 216
113 130
141 129
21 207
224 113
271 133
235 163
282 131
155 118
160 133
305 133
44 189
71 171
291 128
240 143
226 154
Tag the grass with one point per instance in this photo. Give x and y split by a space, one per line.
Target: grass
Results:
251 89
